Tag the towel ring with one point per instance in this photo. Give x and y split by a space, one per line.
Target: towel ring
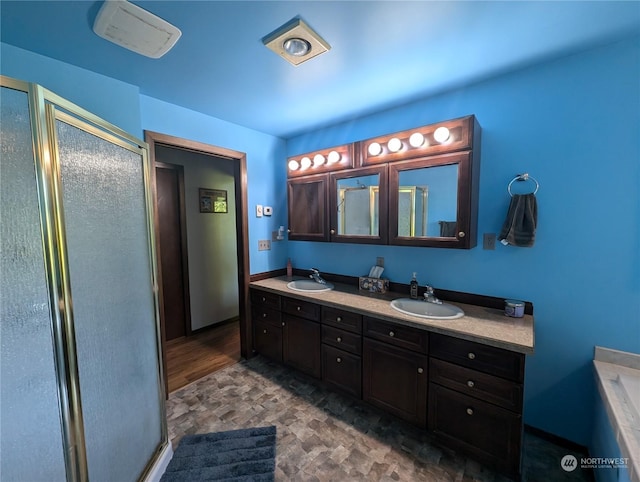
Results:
523 177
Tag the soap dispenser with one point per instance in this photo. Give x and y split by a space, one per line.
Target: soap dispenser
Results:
413 290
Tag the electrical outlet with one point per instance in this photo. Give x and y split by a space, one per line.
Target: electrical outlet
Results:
274 236
258 210
268 210
264 245
380 261
489 241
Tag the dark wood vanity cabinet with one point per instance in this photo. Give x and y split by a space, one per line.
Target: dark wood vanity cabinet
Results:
308 208
342 350
394 367
287 330
475 400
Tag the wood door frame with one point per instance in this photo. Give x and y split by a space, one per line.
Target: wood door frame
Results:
242 228
183 240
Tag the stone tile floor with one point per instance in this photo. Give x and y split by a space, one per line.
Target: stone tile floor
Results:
325 436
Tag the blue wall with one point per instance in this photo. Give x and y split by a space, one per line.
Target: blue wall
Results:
574 125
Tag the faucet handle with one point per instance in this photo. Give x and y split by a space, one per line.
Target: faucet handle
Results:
315 270
429 289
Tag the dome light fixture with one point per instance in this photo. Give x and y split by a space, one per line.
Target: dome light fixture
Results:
318 160
441 134
416 139
296 42
394 144
294 165
333 157
374 149
305 163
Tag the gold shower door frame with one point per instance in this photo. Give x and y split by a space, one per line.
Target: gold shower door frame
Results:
45 108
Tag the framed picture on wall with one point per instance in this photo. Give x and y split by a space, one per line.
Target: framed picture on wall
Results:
213 200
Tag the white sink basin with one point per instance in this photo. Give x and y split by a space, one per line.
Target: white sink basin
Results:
423 309
309 286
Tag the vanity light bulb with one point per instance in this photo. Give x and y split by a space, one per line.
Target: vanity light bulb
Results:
441 134
333 157
416 139
293 165
305 163
394 144
318 160
374 149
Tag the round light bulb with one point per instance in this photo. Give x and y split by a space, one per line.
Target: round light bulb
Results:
416 139
394 144
318 160
305 163
296 47
441 134
293 165
333 157
374 149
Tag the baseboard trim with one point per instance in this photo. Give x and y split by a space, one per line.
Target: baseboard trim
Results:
215 325
557 440
160 465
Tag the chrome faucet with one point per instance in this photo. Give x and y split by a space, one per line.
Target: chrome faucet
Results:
315 275
430 297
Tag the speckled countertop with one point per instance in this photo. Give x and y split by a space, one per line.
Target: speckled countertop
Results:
484 325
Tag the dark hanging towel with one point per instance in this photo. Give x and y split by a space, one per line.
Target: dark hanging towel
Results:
448 229
519 228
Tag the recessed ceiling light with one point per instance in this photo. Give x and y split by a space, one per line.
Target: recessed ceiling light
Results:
296 42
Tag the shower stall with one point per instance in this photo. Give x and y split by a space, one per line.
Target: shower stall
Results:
81 393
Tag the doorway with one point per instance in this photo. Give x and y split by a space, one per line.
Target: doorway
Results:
161 142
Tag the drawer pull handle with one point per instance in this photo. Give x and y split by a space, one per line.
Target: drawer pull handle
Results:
264 331
339 360
471 355
283 323
339 339
298 308
391 333
469 411
264 315
339 318
470 384
420 370
264 299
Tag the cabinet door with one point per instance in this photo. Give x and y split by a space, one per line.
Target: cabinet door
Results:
307 197
491 433
395 380
358 205
342 370
267 339
301 345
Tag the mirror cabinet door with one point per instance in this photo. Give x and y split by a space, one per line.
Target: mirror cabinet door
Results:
358 206
429 201
307 203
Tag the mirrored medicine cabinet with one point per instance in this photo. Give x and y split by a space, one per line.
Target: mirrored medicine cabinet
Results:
413 188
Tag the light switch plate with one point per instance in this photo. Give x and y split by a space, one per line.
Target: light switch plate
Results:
258 210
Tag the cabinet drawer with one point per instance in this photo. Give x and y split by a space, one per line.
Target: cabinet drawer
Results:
491 433
268 315
342 319
303 309
489 388
271 300
342 370
395 334
267 340
488 359
342 339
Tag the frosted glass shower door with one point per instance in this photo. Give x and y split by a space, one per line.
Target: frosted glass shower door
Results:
31 440
114 310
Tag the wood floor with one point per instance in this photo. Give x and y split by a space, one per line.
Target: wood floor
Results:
191 358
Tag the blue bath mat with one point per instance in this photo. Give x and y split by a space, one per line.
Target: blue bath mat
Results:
238 455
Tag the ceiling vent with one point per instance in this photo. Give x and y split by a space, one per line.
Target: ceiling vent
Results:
136 29
296 42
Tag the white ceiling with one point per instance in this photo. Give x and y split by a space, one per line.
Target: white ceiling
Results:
383 53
